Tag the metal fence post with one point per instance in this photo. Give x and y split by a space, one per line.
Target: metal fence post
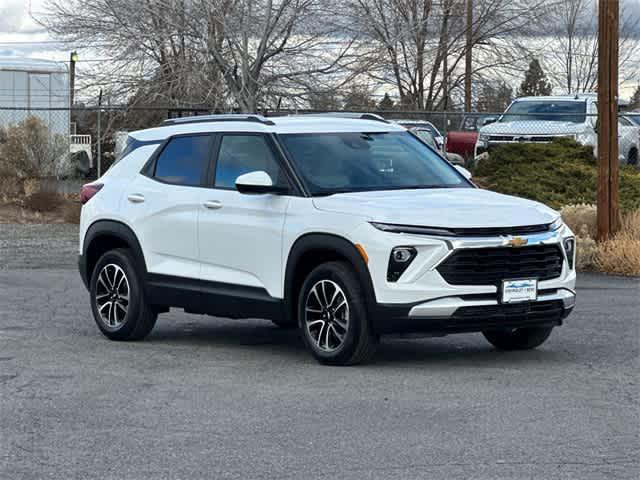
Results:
99 139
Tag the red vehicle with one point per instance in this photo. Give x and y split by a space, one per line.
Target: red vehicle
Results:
464 140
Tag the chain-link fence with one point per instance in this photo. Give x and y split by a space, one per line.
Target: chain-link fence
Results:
81 142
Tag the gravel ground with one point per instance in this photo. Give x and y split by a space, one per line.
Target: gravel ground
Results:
38 245
214 398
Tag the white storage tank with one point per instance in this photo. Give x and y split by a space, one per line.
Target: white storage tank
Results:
31 87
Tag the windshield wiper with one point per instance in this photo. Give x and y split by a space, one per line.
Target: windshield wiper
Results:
379 189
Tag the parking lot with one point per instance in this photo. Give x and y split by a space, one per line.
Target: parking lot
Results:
214 398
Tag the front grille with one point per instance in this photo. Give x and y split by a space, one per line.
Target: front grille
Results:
525 138
511 315
490 266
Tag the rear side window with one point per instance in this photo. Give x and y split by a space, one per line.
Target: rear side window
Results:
184 160
132 144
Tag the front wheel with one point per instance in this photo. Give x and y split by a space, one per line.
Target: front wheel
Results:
332 316
518 338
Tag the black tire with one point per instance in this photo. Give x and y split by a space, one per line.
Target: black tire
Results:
359 342
139 318
519 338
633 157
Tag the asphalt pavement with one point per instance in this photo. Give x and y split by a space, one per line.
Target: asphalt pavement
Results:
213 398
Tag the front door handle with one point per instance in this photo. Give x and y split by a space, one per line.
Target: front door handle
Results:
136 198
213 204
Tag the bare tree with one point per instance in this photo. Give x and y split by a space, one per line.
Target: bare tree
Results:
228 54
420 45
573 51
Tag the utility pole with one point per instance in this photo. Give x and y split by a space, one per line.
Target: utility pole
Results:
468 57
608 25
73 58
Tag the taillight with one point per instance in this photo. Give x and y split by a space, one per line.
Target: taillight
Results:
88 191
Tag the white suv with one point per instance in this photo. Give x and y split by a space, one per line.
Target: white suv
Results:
346 228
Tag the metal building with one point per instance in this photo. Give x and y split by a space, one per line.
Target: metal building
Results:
30 87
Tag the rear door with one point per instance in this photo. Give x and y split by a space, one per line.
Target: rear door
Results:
240 235
163 202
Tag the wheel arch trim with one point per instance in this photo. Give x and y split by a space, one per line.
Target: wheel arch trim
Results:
340 246
113 228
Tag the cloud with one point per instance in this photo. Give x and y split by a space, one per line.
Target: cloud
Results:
12 15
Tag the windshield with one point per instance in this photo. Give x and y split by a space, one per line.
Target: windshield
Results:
427 137
352 162
554 111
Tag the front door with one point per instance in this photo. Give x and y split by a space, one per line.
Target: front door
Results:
240 235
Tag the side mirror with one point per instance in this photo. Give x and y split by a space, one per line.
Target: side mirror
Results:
257 182
489 120
465 173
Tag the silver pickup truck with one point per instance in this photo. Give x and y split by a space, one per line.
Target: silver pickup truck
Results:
541 119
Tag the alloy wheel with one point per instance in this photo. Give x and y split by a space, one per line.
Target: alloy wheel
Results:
326 315
112 296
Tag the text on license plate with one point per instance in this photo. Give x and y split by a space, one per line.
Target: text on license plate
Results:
514 291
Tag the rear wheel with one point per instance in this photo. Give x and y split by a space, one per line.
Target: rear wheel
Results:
332 316
518 338
117 298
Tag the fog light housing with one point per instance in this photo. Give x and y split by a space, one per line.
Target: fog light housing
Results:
570 250
399 261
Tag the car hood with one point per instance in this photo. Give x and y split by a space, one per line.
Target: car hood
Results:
449 207
533 127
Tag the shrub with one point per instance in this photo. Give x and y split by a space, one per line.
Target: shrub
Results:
559 173
29 150
43 202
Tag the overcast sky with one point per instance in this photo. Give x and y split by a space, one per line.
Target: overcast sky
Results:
21 36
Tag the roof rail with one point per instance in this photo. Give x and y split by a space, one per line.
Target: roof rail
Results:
356 115
225 117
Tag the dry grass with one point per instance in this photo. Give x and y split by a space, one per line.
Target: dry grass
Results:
71 212
620 255
581 218
43 202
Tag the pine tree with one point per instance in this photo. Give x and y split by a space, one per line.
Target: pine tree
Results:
386 103
494 98
358 99
535 82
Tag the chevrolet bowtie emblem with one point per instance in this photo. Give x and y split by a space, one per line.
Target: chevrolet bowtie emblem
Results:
517 242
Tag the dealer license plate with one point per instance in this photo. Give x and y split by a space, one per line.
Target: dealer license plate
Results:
514 291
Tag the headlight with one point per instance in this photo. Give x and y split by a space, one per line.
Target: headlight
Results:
556 225
399 261
483 140
569 245
393 228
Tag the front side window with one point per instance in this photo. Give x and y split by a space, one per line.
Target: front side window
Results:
184 160
552 111
350 162
240 154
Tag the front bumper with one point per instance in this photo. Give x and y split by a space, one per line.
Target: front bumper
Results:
473 313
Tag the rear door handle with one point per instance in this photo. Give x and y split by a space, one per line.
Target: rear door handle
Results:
213 204
136 198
